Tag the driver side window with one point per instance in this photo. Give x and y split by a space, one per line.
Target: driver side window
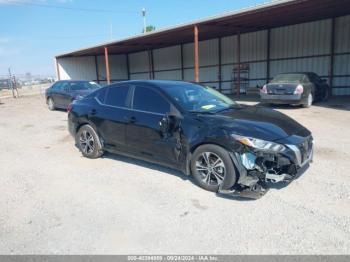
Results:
148 100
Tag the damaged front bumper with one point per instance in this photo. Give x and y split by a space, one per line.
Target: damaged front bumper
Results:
258 169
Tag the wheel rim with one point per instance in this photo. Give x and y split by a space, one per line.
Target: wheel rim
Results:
211 168
87 142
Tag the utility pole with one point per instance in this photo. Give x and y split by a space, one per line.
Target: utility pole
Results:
10 75
144 19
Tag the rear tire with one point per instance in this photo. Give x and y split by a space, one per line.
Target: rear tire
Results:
89 142
210 165
309 101
51 104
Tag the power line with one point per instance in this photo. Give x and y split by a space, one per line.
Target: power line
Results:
35 4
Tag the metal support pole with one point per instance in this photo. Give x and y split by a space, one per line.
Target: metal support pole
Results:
220 69
196 55
58 70
108 77
268 55
96 68
128 66
239 63
182 62
331 65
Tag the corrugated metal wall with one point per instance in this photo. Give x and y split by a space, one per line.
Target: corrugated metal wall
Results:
117 65
302 47
167 63
253 56
139 65
78 68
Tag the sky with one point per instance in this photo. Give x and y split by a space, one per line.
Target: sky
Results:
32 32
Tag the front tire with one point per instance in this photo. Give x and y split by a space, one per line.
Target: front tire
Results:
310 100
89 142
51 104
211 165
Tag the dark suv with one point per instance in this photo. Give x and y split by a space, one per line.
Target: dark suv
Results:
227 147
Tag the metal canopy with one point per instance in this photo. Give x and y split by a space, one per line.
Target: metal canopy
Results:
271 15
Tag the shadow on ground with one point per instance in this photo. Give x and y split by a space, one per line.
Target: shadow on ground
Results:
148 165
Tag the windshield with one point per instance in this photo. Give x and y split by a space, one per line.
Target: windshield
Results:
288 78
198 98
83 86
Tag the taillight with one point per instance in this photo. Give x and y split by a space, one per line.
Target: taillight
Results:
264 89
299 90
70 108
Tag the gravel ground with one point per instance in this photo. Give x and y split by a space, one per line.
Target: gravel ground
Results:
54 201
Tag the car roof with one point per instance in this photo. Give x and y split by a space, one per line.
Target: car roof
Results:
75 81
157 83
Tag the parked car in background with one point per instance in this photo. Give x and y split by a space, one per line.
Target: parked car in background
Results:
295 88
225 146
5 84
62 93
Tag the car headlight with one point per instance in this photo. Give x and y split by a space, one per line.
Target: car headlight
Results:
259 144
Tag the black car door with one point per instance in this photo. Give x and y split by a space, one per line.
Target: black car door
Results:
111 115
66 97
56 93
143 133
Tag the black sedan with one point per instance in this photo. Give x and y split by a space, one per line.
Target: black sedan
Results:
228 148
62 93
295 88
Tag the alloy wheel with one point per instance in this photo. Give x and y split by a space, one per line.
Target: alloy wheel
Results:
87 142
211 168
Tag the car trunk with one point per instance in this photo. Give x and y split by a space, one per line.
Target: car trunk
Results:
281 88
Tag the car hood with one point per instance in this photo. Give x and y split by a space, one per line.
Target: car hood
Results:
259 122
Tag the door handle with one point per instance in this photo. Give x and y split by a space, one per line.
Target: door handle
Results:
93 112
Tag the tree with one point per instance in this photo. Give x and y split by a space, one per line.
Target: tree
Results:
149 28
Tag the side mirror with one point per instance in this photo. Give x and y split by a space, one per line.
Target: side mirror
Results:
168 124
164 124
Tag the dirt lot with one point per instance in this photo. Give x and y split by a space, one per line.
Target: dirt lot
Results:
54 201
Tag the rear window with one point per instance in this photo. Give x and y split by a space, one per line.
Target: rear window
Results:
117 95
288 78
75 86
